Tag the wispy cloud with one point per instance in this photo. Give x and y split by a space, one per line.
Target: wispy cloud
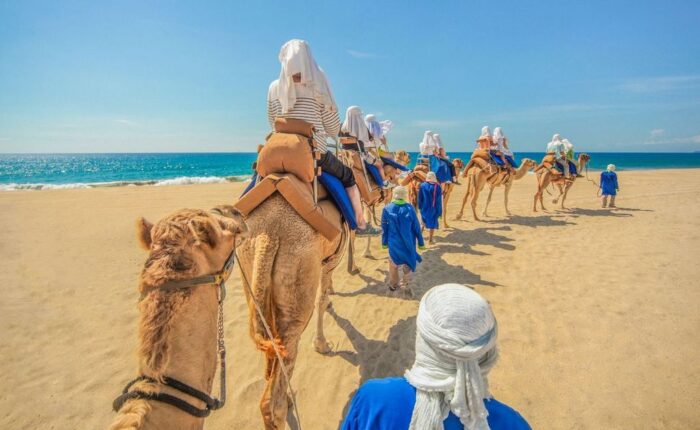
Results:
659 83
657 136
427 123
127 122
361 54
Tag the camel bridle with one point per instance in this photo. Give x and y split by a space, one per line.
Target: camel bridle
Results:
218 280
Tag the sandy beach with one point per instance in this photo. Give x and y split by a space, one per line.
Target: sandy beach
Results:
598 310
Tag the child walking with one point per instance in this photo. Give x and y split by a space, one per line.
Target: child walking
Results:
430 204
609 186
400 232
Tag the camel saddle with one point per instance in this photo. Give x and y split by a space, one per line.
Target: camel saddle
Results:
370 191
548 162
286 165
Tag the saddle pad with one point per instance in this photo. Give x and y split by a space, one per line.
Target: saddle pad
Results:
299 195
394 164
369 192
373 172
441 169
339 195
287 153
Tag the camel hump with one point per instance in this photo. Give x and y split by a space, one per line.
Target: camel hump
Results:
290 149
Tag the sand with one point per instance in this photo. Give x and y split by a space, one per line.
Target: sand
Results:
598 310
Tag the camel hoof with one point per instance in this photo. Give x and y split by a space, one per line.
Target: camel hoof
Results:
322 346
329 305
354 271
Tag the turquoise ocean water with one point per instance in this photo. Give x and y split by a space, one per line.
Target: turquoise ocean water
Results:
42 171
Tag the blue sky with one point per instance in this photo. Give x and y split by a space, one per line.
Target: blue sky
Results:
134 76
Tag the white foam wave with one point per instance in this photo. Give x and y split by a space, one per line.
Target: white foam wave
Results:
184 180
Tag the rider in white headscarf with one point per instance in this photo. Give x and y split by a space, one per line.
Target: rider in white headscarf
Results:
501 148
427 146
375 130
296 58
355 126
455 349
557 147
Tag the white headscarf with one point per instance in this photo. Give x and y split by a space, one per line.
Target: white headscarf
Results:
556 145
375 127
296 57
485 131
399 193
427 146
455 349
437 140
611 168
498 137
430 177
355 125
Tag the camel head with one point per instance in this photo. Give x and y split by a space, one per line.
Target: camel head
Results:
403 157
529 163
188 243
458 163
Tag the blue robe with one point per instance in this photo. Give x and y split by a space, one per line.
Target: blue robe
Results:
441 168
430 204
572 168
608 183
514 164
387 404
400 232
496 159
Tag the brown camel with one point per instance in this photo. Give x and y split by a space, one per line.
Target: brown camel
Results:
178 328
283 263
546 176
477 178
447 189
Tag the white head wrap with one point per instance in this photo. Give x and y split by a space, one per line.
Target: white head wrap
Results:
556 145
498 137
428 144
485 131
437 140
375 128
430 177
296 57
568 145
399 193
611 167
455 349
386 126
355 125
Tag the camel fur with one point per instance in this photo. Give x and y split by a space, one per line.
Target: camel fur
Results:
178 329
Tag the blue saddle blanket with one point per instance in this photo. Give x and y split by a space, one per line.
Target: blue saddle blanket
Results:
496 159
441 169
335 189
394 164
572 168
374 173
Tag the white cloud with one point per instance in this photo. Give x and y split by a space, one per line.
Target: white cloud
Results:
123 121
656 133
674 140
361 54
659 83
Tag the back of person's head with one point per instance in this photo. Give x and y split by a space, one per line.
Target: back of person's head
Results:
485 131
455 349
400 193
354 124
611 168
430 177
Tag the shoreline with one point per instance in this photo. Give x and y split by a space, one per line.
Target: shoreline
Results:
208 180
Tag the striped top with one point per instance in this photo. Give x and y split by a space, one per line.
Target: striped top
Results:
326 122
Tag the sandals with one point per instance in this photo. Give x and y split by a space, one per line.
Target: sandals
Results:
368 231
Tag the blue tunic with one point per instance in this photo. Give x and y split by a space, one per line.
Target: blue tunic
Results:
441 168
400 231
496 159
430 204
387 404
514 164
608 183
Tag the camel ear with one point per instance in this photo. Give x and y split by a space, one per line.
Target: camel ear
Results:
231 220
204 231
143 233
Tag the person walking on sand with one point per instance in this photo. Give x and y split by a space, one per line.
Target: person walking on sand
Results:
447 387
430 204
303 92
400 233
609 186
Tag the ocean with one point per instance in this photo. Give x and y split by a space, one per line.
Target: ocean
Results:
47 171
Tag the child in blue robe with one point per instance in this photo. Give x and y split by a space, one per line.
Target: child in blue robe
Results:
400 232
430 204
609 186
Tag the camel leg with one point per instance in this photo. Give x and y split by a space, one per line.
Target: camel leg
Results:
466 196
564 193
445 200
475 198
506 191
352 267
488 200
320 344
370 219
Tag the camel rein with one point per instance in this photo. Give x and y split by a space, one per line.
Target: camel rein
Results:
219 281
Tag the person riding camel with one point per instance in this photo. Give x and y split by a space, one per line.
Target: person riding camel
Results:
501 145
570 156
556 147
354 126
303 92
441 153
376 133
427 148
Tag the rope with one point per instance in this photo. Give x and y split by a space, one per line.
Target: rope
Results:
274 345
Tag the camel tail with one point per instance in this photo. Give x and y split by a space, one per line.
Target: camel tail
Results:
131 415
261 287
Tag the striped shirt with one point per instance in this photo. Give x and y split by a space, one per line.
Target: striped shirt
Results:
326 122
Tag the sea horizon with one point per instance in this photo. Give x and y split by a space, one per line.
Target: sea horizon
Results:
38 171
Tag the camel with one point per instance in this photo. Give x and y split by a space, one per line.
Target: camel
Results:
477 178
178 328
283 263
546 177
447 189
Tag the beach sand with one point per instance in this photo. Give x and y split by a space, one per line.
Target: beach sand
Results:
599 311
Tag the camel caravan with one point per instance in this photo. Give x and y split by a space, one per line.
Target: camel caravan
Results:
286 235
